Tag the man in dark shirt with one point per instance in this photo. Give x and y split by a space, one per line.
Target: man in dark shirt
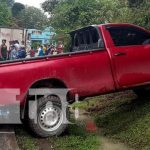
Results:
3 51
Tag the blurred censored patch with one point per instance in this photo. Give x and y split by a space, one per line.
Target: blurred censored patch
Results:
51 95
9 106
10 103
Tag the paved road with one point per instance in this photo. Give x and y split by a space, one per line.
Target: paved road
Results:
7 138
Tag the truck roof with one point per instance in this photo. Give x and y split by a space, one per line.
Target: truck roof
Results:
100 25
109 24
117 24
123 24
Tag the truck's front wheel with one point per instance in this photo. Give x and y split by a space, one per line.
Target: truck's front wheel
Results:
50 117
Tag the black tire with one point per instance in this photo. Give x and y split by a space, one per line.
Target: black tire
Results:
142 93
40 128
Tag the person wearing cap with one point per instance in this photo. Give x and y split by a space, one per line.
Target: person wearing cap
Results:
3 51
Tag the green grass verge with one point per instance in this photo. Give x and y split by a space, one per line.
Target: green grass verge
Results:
75 138
25 141
129 123
98 103
89 102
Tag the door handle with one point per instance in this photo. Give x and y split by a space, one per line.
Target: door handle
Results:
120 54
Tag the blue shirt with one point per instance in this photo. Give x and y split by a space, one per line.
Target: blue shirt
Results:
41 52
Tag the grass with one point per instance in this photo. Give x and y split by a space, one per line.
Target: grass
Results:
25 141
89 102
99 103
76 138
121 116
129 122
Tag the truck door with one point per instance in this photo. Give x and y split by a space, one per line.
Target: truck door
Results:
89 69
131 55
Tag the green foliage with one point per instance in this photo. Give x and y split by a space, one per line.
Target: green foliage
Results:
35 45
10 3
74 14
141 16
32 18
135 3
17 8
49 5
5 14
68 15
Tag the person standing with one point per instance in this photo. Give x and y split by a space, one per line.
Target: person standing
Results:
13 53
3 51
54 50
60 47
17 45
44 49
48 51
40 51
32 52
21 53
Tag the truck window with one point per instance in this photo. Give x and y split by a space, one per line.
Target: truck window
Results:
94 35
87 36
97 40
81 38
87 39
124 36
75 41
82 43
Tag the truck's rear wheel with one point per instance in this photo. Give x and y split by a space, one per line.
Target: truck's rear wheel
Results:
50 118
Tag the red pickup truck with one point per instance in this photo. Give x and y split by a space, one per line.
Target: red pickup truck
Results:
102 59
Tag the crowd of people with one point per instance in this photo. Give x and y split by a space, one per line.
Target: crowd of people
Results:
19 51
50 49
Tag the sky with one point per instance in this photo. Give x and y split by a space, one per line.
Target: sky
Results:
35 3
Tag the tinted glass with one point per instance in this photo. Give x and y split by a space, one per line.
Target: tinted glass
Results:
124 36
81 38
76 41
87 36
94 35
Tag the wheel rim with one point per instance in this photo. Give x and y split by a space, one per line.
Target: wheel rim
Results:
50 118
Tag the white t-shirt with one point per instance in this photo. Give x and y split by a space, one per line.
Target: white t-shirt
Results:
17 46
39 49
